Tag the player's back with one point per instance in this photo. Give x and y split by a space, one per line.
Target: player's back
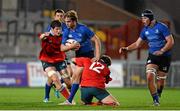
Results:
94 74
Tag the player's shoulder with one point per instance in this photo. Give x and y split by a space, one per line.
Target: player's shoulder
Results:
81 26
161 24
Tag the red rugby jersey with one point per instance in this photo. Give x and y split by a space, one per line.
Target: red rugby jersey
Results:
95 74
50 51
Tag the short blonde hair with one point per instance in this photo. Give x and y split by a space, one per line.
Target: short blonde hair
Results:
72 14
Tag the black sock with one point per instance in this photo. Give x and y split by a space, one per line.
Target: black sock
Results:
159 91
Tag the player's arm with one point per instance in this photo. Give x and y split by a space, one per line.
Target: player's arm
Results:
44 35
133 46
73 46
97 42
169 44
107 76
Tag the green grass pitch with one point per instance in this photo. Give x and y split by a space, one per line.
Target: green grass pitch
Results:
129 98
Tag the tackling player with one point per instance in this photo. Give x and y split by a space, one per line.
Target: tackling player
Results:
58 15
52 55
95 76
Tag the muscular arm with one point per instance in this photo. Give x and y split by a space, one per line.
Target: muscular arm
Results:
97 42
136 44
74 46
169 44
133 46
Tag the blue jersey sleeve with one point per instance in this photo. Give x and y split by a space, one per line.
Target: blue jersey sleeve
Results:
48 28
165 30
142 34
88 32
65 36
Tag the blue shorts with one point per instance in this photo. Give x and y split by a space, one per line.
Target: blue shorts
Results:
87 94
59 65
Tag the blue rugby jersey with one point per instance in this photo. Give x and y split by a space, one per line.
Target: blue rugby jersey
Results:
156 37
81 34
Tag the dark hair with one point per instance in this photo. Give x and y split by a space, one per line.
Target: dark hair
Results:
148 13
72 15
55 23
106 59
58 11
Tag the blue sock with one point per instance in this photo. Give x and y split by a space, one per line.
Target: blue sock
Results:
47 90
74 89
155 97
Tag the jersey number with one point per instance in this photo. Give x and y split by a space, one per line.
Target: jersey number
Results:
96 68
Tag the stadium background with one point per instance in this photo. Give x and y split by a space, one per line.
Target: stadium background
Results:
116 22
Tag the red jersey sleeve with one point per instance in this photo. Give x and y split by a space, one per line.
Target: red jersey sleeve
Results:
80 61
107 75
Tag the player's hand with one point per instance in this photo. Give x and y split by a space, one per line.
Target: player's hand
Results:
75 46
158 53
123 49
95 59
44 35
108 79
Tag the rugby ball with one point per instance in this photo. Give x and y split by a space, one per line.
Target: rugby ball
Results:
70 41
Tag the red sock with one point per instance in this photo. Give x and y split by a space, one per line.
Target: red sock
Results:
65 93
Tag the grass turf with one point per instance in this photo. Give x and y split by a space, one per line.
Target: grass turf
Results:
129 98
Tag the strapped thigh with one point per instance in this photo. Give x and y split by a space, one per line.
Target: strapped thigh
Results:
50 73
151 70
161 77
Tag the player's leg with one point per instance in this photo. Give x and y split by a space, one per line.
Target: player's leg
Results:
161 77
151 72
162 73
86 96
53 74
75 86
47 90
61 67
66 78
75 82
69 68
110 100
104 97
49 82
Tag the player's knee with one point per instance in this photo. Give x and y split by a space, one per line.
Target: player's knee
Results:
53 75
151 73
50 73
61 88
55 79
65 75
85 102
150 77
